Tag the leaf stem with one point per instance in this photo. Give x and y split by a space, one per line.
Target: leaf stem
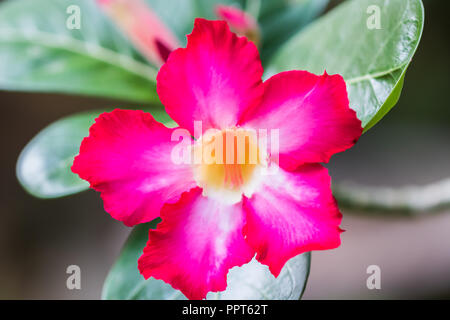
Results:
408 199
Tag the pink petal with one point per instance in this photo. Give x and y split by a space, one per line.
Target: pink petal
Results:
127 157
147 32
195 245
239 21
213 80
294 212
312 113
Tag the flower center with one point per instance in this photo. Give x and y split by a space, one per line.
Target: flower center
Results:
228 163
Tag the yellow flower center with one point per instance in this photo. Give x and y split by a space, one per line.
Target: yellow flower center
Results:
227 163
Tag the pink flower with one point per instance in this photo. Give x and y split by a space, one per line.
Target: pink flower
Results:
217 216
154 39
239 22
147 32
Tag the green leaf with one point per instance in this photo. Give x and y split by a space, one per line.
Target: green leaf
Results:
43 168
372 61
252 281
389 103
39 53
280 20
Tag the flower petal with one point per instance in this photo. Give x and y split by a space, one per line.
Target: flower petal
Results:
195 245
127 157
239 21
213 80
141 24
312 113
293 212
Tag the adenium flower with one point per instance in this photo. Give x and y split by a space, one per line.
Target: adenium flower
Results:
240 22
218 216
154 39
145 30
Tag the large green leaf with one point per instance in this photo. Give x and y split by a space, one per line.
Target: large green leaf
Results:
372 61
43 167
39 53
252 281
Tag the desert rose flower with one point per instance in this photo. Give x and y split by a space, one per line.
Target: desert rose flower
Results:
240 22
143 27
216 216
154 39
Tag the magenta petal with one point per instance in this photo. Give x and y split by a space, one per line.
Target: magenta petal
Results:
195 245
143 27
312 113
294 212
236 18
127 157
213 80
239 21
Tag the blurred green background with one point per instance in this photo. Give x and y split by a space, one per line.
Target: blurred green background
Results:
40 238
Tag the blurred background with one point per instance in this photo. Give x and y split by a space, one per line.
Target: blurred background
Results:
40 238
